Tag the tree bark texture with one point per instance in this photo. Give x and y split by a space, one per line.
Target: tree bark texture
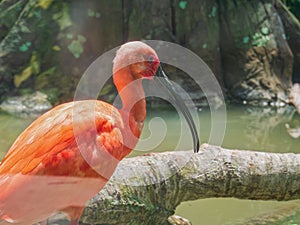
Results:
147 189
292 29
257 59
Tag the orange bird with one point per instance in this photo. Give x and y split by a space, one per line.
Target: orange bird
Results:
68 154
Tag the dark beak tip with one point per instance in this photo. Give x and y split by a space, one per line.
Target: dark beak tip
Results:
196 150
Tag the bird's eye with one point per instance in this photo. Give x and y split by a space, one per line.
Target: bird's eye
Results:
150 58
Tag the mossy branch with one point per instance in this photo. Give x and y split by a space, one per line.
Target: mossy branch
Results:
148 188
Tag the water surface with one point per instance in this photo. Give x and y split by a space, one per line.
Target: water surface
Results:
248 128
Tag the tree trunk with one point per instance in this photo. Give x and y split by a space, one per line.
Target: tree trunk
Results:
292 29
147 189
256 57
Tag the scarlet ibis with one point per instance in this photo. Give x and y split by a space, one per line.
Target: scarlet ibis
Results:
48 170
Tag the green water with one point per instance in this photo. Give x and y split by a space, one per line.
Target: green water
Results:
246 128
10 128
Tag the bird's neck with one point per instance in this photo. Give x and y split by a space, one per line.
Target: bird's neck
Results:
132 95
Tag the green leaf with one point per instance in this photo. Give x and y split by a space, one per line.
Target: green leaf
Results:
63 17
213 12
97 15
48 72
265 30
91 13
44 4
76 47
69 36
246 39
24 75
81 38
182 4
35 63
23 48
32 68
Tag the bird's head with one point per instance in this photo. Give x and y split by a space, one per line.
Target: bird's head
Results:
141 61
139 58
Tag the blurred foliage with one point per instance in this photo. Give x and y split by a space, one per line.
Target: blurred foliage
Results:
76 47
46 45
31 69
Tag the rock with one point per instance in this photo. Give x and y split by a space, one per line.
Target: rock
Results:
293 132
295 96
178 220
30 105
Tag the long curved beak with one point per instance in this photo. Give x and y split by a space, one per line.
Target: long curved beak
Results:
164 80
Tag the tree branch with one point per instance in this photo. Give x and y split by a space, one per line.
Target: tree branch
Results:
148 188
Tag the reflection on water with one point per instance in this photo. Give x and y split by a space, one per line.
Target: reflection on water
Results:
246 128
261 129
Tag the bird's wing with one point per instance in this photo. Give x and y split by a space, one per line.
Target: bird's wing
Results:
55 141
